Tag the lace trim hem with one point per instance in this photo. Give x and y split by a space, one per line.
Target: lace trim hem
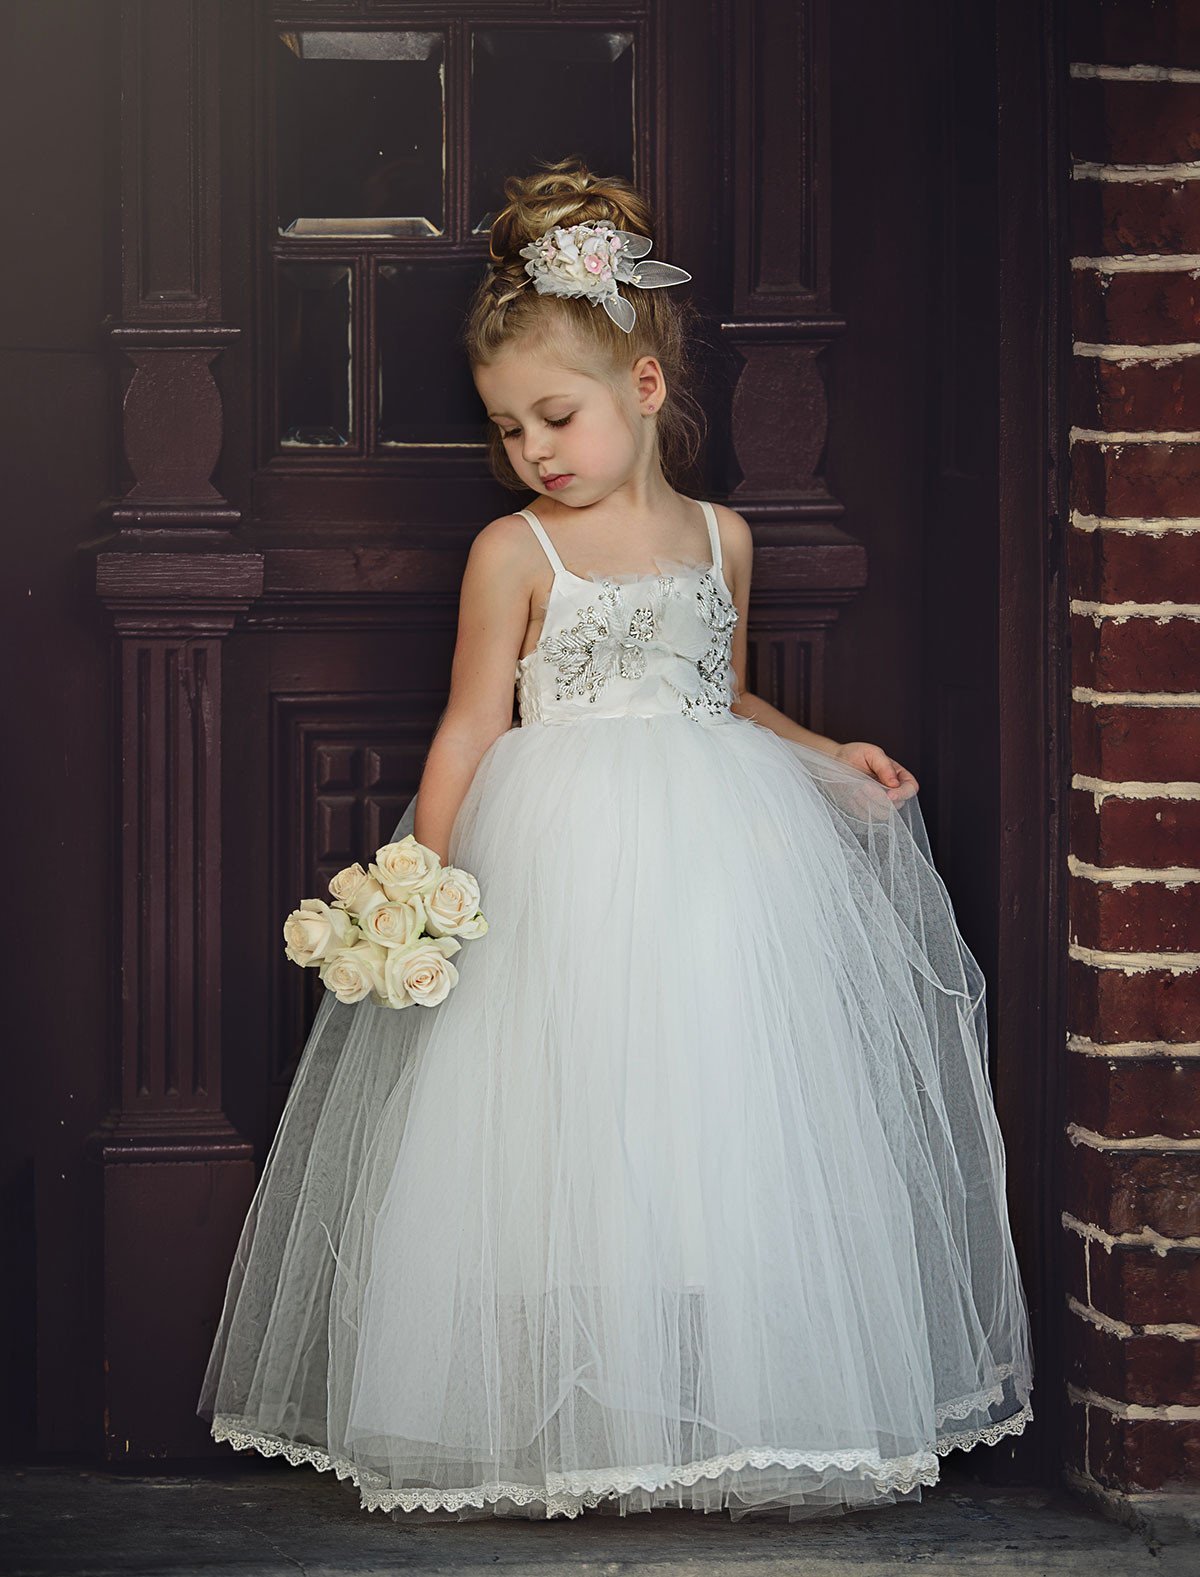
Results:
569 1493
964 1406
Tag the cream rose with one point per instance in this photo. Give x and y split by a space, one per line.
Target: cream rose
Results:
353 889
405 867
355 972
452 902
470 929
315 931
395 924
422 973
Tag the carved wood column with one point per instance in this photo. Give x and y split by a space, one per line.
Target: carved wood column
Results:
176 1178
806 567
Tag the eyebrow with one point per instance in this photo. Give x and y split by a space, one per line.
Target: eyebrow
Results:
545 400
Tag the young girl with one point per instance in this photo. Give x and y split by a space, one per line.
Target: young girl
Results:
691 1193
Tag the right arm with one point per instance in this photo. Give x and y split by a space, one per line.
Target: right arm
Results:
493 613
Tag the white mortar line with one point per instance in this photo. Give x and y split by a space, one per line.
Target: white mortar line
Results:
1140 263
1145 1237
1103 788
1115 1327
1160 612
1141 174
1153 1143
1080 68
1109 438
1135 963
1173 1412
1129 355
1171 876
1086 696
1147 525
1143 1050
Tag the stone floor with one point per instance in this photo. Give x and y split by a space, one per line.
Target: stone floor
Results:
265 1518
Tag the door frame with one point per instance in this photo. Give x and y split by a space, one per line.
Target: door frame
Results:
1034 664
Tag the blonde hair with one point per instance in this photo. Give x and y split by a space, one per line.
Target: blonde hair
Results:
576 332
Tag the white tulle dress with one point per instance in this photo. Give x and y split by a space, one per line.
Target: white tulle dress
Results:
691 1193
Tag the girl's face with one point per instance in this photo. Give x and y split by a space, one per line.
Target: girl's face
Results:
568 435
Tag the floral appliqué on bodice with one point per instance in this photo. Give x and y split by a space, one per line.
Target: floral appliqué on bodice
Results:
638 645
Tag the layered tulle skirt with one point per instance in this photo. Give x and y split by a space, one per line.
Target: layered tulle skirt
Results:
691 1193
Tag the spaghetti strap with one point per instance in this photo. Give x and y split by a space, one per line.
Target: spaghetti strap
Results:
714 535
540 532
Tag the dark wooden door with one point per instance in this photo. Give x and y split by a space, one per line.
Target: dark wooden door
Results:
307 470
242 586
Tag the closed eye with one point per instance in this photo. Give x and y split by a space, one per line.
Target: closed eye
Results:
560 421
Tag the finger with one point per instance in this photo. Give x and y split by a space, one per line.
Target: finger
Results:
900 777
885 768
907 788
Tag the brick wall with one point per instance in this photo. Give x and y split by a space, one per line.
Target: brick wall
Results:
1131 1216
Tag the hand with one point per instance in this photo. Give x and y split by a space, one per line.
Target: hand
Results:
897 780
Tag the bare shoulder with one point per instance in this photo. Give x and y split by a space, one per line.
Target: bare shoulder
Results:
503 541
505 558
735 533
737 550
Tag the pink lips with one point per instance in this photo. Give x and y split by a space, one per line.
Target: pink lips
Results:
560 480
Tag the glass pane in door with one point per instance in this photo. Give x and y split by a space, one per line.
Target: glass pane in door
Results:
359 133
316 404
540 93
426 395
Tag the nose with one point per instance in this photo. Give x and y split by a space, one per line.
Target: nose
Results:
535 447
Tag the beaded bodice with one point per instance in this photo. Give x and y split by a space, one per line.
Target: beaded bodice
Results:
632 645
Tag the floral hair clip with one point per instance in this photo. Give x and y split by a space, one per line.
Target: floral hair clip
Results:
591 260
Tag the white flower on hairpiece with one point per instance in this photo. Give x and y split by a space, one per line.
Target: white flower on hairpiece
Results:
591 260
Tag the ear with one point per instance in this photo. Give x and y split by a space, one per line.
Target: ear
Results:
650 384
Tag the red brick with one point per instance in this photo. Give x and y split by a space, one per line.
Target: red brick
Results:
1138 743
1135 566
1138 307
1147 832
1127 1190
1118 121
1150 1371
1107 1004
1150 1453
1132 35
1135 479
1136 653
1134 1284
1143 917
1075 1437
1122 1097
1133 216
1073 1259
1138 398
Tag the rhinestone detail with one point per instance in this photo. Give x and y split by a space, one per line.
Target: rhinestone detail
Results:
609 640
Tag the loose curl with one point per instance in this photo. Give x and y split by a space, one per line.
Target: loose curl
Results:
506 307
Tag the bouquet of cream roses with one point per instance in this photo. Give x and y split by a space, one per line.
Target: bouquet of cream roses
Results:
390 930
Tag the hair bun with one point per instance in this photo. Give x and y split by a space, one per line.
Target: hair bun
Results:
564 193
577 331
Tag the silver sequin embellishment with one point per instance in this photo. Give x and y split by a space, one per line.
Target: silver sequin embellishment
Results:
594 648
715 664
611 640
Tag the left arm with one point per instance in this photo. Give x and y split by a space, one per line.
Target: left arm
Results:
737 552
